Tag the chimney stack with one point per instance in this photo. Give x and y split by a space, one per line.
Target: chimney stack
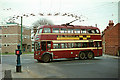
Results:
111 23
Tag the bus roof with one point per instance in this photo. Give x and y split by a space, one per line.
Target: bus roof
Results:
68 26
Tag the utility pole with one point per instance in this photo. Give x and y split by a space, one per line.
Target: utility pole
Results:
21 33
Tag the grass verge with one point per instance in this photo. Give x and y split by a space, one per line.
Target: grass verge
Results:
14 53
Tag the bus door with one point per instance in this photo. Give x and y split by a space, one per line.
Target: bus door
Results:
36 48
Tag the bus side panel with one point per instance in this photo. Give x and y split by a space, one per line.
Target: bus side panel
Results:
66 54
97 53
36 55
63 54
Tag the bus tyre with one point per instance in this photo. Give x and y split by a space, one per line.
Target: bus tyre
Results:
46 58
82 55
90 55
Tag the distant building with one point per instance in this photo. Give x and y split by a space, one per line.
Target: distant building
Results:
10 37
33 32
111 39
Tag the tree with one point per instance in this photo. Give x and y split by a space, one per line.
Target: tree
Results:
42 21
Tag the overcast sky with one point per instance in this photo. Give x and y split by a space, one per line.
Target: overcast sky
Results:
92 11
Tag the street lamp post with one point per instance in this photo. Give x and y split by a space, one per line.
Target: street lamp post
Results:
21 33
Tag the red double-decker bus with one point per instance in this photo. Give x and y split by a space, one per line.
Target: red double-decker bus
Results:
57 41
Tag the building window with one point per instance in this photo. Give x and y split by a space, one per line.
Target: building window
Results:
6 26
0 27
6 45
6 35
0 37
0 45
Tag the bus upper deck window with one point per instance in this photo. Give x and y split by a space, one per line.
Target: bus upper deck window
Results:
40 31
55 30
47 30
97 31
63 30
77 30
83 30
89 31
70 30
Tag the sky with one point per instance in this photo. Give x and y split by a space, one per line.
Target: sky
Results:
91 11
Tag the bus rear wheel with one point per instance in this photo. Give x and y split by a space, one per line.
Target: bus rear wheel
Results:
46 58
82 55
90 55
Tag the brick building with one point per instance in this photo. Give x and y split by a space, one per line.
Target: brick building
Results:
111 39
10 37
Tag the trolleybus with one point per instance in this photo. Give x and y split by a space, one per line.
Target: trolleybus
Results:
67 41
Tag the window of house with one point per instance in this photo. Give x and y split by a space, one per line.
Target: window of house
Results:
83 30
55 30
47 30
76 30
0 37
63 30
0 27
6 35
6 45
5 26
0 45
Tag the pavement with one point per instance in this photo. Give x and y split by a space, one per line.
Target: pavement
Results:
115 57
0 71
28 74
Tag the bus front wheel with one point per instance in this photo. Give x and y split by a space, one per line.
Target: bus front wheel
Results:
90 55
46 58
82 55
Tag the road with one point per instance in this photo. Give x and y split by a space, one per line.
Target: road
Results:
100 67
